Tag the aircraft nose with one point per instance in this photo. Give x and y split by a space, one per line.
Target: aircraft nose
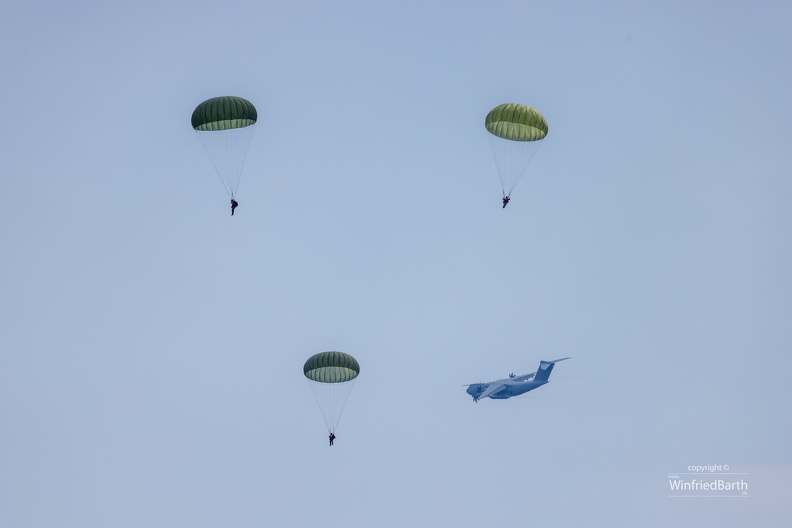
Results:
475 390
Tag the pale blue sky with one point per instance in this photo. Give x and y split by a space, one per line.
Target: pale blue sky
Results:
152 346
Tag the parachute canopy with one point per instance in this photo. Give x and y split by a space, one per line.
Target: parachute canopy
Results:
225 126
516 122
224 113
331 367
331 376
516 132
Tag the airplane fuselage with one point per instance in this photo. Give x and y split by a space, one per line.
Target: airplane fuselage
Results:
517 388
510 389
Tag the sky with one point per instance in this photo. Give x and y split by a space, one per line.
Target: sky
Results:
152 345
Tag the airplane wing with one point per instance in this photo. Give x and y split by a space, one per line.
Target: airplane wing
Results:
492 389
524 377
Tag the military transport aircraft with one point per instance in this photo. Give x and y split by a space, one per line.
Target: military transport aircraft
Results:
513 385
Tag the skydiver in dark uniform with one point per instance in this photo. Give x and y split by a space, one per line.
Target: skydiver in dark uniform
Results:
234 205
505 201
332 437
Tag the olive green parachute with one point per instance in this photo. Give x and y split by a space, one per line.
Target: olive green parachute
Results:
224 113
516 122
331 367
516 132
225 126
331 376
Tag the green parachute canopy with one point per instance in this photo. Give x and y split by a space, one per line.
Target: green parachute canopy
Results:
331 367
516 122
224 113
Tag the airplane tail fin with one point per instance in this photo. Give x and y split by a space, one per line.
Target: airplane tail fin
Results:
545 368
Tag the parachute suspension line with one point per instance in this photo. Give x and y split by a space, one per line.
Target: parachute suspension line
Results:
213 143
344 398
227 149
512 159
331 399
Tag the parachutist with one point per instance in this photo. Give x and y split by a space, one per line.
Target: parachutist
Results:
234 205
331 377
224 126
505 201
516 131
